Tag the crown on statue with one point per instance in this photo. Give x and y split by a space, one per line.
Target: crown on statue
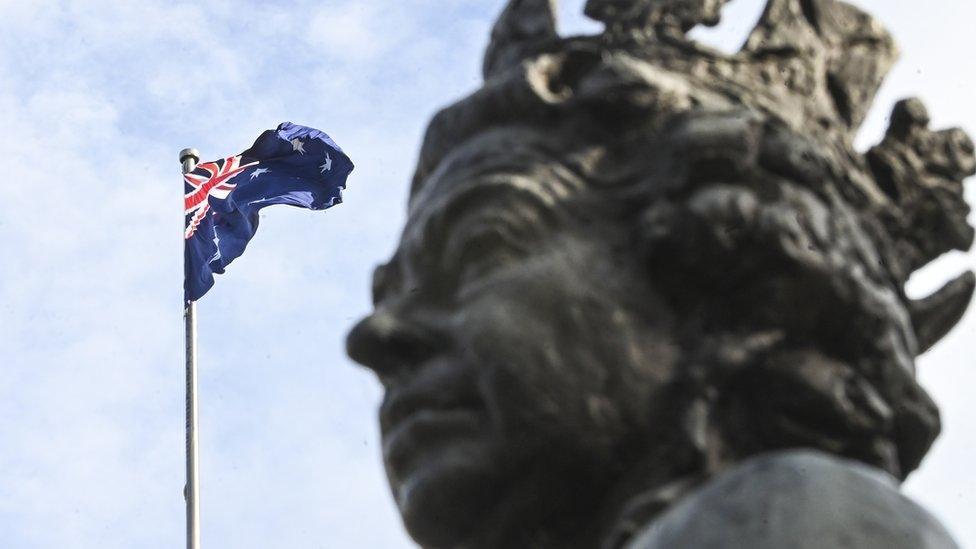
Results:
812 66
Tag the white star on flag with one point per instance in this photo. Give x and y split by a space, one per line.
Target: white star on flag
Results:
327 167
258 172
298 145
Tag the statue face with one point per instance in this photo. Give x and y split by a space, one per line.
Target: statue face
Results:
505 335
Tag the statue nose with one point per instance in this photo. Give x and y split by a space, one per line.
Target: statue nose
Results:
388 344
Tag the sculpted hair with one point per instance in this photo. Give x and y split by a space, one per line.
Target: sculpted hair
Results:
794 333
784 249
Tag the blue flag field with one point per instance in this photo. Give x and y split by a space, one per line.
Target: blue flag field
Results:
292 165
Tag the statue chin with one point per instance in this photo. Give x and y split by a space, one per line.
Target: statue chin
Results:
445 500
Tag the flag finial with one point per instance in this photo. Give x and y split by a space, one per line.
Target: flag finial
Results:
189 153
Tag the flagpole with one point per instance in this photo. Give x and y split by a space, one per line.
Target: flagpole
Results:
191 491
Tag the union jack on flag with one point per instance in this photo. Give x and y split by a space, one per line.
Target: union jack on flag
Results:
216 183
292 165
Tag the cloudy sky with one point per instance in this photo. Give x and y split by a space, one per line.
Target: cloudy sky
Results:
98 97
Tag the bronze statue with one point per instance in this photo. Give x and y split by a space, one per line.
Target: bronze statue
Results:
650 296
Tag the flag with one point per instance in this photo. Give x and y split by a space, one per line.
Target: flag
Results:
291 165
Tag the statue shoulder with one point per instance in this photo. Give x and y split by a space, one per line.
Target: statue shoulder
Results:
798 499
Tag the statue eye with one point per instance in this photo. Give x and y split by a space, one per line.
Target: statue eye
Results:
483 254
482 264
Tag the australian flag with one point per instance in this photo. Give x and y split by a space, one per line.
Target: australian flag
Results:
290 165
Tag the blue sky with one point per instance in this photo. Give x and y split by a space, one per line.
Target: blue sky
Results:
98 98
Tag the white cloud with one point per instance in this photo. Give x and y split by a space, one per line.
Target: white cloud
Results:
359 32
97 99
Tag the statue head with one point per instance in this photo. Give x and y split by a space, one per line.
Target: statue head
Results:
631 261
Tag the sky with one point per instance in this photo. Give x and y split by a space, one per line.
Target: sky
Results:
97 98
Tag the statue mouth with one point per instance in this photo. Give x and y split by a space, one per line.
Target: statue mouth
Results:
427 416
408 445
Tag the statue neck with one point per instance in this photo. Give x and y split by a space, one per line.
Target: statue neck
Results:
586 515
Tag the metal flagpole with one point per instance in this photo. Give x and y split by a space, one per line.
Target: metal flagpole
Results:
191 491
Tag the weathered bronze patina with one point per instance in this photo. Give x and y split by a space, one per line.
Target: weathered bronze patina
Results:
650 296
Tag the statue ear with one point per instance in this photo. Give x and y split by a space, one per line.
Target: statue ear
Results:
520 30
935 315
